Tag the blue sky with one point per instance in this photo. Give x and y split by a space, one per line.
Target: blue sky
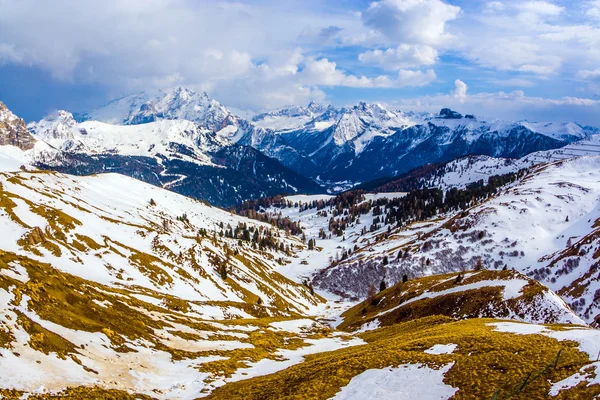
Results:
537 59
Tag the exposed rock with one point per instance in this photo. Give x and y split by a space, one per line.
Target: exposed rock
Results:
447 113
13 130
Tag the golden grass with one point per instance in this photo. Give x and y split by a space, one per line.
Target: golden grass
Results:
481 302
484 361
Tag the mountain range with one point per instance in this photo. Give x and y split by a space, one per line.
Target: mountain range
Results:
192 144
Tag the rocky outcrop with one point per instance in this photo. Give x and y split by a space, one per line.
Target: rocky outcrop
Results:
13 130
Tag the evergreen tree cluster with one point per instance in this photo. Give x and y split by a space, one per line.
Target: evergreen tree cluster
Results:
259 238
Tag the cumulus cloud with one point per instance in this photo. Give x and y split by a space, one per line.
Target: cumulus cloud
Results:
537 37
137 45
411 21
402 56
460 90
275 84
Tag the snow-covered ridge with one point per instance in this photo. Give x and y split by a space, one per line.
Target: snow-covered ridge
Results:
463 171
153 138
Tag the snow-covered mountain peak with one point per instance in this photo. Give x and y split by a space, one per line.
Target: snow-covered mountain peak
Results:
6 115
56 127
158 137
367 121
316 108
292 117
176 103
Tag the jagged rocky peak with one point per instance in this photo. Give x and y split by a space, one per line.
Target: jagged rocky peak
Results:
317 108
447 113
177 103
13 130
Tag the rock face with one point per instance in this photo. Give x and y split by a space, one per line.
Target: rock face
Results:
13 131
447 113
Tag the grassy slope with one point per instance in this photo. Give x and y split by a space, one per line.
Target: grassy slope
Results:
485 362
387 309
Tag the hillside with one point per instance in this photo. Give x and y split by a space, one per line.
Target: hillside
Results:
438 358
472 294
540 222
543 226
433 338
113 288
463 171
110 282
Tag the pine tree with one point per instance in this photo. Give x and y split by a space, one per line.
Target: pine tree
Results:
478 265
382 285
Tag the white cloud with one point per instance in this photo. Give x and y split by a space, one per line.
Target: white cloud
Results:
215 46
272 84
508 54
8 54
325 72
593 9
588 74
411 21
403 56
540 8
508 105
494 6
460 90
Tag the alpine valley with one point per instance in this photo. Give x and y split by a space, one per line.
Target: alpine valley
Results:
161 247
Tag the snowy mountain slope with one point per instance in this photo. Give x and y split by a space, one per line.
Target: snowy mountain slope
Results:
465 170
110 282
111 219
113 288
163 137
314 220
543 226
290 118
439 358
